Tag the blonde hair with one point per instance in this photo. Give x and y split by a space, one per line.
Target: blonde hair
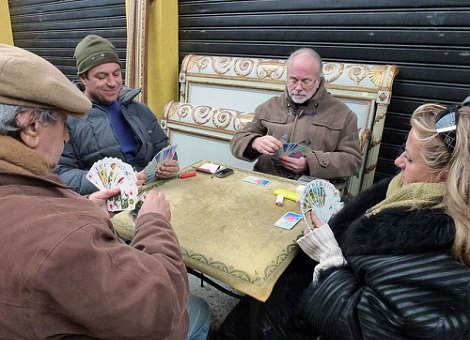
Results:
455 165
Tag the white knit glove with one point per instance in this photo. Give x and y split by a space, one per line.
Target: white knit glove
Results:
320 244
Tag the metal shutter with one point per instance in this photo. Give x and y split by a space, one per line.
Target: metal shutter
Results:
52 29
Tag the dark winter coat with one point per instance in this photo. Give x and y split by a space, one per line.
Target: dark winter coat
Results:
400 281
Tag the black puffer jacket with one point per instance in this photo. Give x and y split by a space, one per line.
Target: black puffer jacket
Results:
400 282
94 138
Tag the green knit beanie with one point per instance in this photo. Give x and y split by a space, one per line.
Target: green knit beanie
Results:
92 51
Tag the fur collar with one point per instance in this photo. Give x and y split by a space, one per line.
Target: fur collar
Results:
391 231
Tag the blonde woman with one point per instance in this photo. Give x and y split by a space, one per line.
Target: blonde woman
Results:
394 262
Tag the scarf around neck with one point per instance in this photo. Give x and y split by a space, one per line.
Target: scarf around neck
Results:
18 158
413 196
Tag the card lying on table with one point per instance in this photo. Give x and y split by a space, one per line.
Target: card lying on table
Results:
288 221
255 180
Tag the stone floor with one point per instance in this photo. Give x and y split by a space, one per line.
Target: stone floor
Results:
220 303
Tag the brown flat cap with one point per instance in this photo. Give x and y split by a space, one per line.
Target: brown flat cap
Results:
29 80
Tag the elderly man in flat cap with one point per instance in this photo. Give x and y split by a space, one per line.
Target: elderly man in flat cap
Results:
117 126
64 270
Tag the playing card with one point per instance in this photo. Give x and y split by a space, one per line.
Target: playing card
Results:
125 200
320 196
255 180
293 150
288 221
139 203
108 173
153 166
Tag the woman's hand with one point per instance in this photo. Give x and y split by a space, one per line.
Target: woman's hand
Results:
315 222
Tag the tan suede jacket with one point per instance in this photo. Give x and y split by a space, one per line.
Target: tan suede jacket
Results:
65 272
325 122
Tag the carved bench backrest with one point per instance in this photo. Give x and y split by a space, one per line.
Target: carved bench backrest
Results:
218 95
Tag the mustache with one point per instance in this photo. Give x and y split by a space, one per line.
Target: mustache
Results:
298 93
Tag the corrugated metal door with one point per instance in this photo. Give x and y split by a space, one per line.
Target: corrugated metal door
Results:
52 29
428 39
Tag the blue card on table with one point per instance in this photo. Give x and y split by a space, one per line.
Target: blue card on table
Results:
255 180
288 221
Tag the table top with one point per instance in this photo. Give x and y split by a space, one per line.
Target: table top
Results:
226 230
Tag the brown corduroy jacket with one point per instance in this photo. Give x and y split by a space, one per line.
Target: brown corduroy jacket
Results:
324 123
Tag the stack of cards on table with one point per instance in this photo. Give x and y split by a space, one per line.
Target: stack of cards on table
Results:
165 154
108 173
293 150
210 168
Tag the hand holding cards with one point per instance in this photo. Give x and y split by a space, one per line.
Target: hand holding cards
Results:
157 161
322 197
108 173
293 150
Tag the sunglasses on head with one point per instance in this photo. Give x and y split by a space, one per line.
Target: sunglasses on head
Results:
446 125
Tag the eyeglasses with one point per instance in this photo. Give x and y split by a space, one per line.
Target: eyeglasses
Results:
446 125
307 82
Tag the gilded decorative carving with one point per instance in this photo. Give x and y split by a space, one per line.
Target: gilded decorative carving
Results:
276 69
200 114
222 65
136 61
358 73
382 97
365 135
332 71
202 62
221 119
271 68
377 73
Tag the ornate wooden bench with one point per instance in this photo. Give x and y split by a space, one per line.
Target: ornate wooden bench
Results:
218 96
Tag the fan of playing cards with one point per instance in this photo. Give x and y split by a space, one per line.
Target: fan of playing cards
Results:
293 150
320 196
164 154
108 173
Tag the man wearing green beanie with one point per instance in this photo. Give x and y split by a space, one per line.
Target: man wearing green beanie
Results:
117 125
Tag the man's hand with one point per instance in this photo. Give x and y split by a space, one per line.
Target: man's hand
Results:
141 178
266 145
168 169
296 165
100 197
155 203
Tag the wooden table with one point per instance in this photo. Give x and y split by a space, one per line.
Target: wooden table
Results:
226 230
